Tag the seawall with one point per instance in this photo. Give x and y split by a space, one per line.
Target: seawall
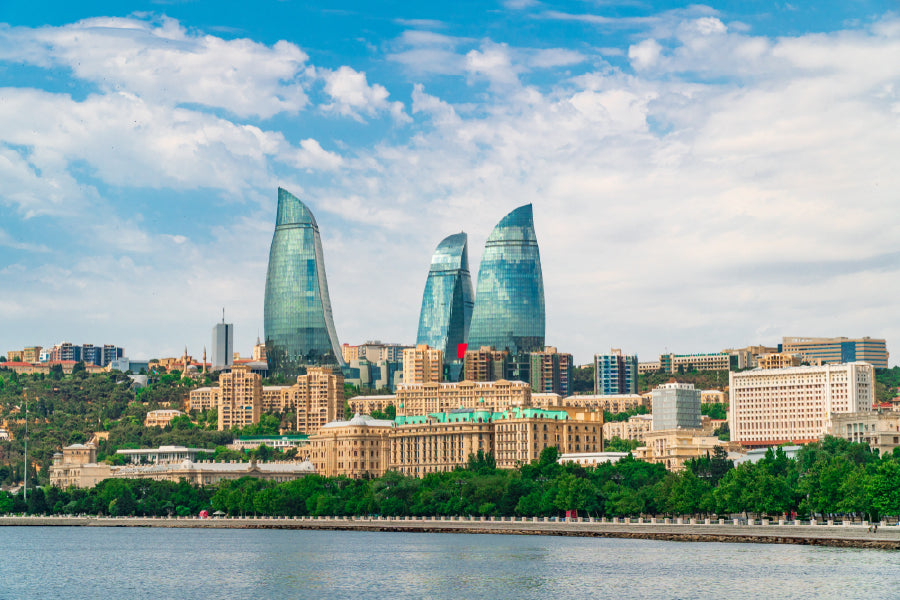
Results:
844 536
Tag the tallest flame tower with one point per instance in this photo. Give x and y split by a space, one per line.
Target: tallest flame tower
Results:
299 326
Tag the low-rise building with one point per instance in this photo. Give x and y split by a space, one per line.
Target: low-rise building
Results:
77 466
494 396
713 397
611 403
161 417
591 459
779 360
163 454
635 428
277 442
366 405
356 448
439 442
880 430
674 447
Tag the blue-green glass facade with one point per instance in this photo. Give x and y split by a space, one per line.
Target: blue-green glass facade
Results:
448 300
299 326
509 298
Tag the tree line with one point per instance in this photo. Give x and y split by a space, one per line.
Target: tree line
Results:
832 477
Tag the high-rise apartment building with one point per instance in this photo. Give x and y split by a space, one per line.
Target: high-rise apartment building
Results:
222 345
239 398
448 299
486 364
550 372
820 351
111 353
615 373
92 354
32 354
509 303
299 326
769 407
423 364
318 398
676 406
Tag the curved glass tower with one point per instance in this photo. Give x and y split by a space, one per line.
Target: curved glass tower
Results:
299 327
509 302
448 299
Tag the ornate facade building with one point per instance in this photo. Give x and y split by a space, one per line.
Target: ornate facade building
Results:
494 396
356 448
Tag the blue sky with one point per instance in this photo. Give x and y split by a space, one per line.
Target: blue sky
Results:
703 176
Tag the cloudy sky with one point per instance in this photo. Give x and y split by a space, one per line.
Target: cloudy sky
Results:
703 176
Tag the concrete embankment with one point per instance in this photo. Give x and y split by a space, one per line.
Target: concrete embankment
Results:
847 536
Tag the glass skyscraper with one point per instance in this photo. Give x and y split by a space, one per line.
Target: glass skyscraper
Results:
299 327
448 299
509 302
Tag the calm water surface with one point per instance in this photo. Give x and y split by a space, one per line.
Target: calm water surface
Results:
50 563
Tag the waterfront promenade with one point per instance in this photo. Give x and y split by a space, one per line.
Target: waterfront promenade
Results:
856 535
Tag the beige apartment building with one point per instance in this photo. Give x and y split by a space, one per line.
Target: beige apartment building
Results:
365 405
423 364
713 397
880 430
674 447
635 428
161 418
356 448
775 406
494 396
779 360
317 397
203 398
612 403
485 364
239 397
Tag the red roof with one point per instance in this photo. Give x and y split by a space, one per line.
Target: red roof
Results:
15 364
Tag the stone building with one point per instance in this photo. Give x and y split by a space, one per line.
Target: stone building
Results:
356 448
880 430
426 398
635 428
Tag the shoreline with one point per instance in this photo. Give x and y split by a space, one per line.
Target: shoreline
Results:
838 536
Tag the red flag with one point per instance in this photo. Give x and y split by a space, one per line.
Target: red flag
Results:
461 351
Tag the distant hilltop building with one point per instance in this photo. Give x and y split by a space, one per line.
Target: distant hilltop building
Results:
509 301
821 351
299 326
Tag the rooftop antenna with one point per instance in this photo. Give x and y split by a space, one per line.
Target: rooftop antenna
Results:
223 314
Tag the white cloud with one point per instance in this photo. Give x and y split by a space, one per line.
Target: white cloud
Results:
352 95
494 63
163 63
644 54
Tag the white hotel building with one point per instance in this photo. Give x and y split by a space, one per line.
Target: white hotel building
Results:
773 406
